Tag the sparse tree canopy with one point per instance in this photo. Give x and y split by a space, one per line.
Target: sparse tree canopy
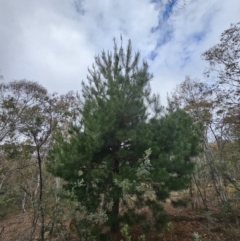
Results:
224 65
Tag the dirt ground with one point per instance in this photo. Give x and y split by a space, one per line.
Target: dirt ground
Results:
16 227
183 223
186 222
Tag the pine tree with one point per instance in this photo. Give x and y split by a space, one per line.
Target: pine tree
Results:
104 157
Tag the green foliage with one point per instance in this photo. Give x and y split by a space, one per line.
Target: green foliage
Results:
196 236
169 228
104 153
125 233
67 218
142 237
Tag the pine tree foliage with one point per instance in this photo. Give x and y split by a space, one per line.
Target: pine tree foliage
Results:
104 159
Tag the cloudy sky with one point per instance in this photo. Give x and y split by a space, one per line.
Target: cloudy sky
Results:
53 42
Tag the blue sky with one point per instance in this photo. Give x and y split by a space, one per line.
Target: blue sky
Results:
54 42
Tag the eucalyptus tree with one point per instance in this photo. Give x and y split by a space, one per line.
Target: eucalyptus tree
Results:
224 71
215 103
38 123
224 66
29 116
197 100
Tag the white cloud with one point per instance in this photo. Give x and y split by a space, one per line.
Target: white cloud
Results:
49 41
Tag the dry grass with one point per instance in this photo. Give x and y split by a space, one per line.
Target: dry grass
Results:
214 226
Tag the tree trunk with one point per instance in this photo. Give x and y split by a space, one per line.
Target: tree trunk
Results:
24 202
41 197
216 178
114 216
116 202
57 179
200 192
